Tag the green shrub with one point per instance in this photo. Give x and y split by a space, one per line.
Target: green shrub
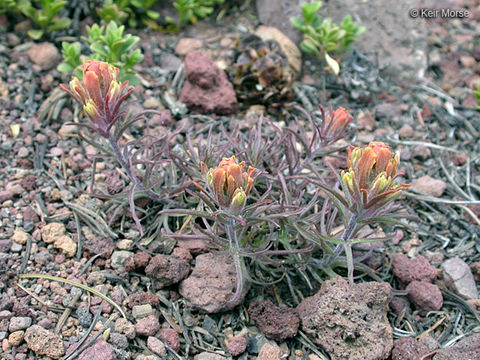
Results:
322 37
132 11
109 44
192 10
12 6
46 17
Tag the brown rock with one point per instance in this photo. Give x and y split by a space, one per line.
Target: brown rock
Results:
429 186
194 246
408 348
275 322
45 54
207 89
141 259
43 342
52 232
459 159
124 326
16 337
170 337
20 237
5 195
156 346
148 326
399 304
95 244
407 270
66 245
425 295
475 266
99 350
467 349
349 322
468 61
142 298
187 45
388 111
406 131
182 254
236 345
212 284
270 352
167 269
421 152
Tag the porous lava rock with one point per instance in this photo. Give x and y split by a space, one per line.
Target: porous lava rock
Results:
43 342
167 269
466 349
425 296
212 283
275 322
349 322
99 350
408 348
408 270
207 89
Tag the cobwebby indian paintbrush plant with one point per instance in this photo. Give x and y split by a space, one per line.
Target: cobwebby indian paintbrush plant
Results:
368 190
228 186
102 96
239 220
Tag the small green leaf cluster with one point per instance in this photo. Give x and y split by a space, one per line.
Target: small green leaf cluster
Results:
109 44
322 36
132 11
11 6
46 17
192 10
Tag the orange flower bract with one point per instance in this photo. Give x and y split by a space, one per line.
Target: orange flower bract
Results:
100 93
370 178
229 183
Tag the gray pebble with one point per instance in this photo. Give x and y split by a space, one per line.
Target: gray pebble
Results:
19 323
84 317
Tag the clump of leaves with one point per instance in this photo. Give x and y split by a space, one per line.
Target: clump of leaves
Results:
132 11
12 6
108 44
45 17
322 37
261 72
189 11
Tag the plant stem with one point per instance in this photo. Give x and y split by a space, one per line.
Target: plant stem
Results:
128 168
237 260
346 245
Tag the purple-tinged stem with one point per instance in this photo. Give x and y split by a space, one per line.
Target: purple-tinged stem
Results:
128 168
